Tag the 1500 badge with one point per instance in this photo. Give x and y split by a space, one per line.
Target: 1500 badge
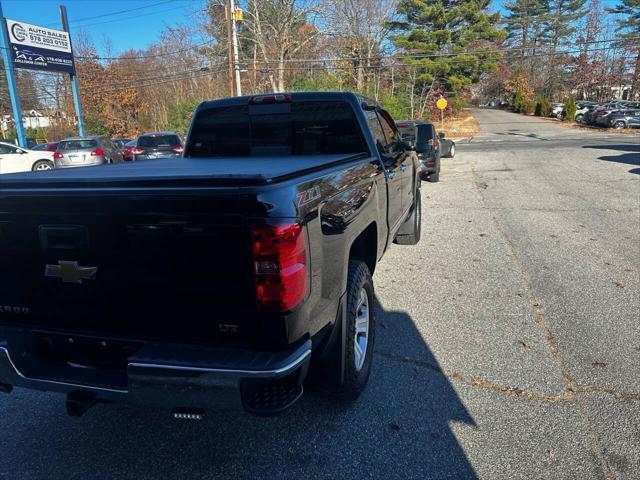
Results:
14 309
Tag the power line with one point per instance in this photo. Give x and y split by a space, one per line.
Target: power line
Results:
198 74
131 17
146 56
439 54
77 20
434 55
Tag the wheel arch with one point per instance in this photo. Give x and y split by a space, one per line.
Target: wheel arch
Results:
365 247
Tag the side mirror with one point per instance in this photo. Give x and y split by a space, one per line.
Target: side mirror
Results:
441 135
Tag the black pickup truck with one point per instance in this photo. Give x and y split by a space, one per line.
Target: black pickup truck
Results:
223 278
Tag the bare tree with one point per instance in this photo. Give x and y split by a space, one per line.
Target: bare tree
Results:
360 25
281 30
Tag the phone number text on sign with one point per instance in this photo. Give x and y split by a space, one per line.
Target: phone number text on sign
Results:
48 41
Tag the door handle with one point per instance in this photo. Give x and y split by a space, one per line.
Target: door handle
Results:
403 167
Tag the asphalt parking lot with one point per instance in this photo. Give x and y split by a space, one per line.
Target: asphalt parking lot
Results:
508 343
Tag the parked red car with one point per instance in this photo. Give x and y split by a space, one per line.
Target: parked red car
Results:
127 153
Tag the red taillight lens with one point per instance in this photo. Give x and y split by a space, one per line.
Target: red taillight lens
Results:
280 265
178 149
137 151
57 155
97 152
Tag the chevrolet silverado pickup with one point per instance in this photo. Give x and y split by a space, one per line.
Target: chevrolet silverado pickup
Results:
226 278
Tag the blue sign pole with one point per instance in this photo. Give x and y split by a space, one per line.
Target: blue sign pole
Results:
11 83
75 88
76 102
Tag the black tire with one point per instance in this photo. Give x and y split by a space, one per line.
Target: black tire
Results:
452 151
355 379
411 230
579 118
42 165
619 125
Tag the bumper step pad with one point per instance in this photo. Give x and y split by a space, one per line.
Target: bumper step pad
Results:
263 397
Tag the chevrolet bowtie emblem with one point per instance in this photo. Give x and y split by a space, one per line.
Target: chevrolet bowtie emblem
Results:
70 272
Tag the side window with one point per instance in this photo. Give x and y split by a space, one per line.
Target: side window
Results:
389 131
4 149
376 130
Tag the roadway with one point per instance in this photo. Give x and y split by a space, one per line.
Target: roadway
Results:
508 343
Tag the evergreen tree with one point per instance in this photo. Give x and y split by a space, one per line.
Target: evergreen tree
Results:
524 22
629 33
450 27
561 25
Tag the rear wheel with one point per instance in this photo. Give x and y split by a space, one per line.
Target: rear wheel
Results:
619 125
360 331
452 152
579 118
41 165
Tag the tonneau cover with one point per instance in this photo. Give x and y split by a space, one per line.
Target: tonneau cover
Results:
235 170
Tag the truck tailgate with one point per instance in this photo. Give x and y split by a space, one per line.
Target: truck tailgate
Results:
171 267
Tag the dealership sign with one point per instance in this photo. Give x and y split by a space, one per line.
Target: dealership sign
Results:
39 48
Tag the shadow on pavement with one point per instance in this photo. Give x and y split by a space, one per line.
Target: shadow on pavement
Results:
399 428
631 155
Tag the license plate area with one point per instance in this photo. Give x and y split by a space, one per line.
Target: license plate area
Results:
85 352
90 361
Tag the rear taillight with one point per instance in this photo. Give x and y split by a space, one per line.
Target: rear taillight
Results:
57 155
178 149
136 151
98 152
280 266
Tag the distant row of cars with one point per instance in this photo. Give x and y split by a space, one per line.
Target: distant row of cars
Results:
88 151
618 114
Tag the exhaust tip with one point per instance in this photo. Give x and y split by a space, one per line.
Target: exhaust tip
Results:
196 414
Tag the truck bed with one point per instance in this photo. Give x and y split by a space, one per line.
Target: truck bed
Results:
190 171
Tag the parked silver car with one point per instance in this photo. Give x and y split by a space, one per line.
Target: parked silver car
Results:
86 151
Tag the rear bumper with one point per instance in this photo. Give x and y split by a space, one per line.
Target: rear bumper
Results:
58 164
171 376
158 156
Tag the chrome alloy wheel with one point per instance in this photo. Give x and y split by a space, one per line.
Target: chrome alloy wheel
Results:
361 337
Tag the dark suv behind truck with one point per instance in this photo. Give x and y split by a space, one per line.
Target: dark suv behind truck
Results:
227 277
422 137
154 145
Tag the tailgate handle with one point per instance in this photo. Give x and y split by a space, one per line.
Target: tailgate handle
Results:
63 237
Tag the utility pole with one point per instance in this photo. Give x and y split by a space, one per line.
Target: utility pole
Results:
228 16
11 83
234 35
75 88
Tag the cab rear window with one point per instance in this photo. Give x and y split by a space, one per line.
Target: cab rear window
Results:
77 144
298 128
154 141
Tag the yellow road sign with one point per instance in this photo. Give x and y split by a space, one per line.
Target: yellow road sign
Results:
441 104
